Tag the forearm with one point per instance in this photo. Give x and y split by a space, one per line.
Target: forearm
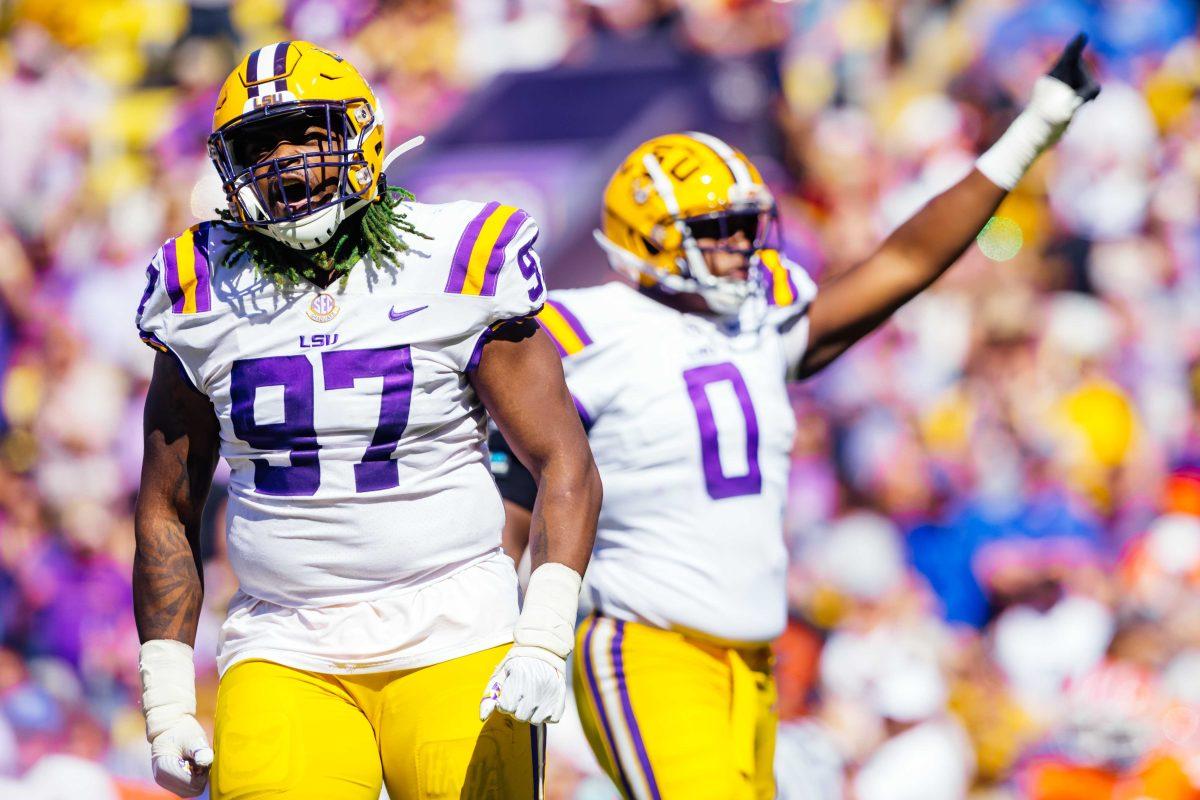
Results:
179 457
563 525
926 245
167 579
916 254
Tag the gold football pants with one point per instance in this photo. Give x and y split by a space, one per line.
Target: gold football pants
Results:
675 717
288 733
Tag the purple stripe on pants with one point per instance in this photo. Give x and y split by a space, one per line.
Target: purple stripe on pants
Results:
462 253
203 281
627 708
595 690
572 322
496 260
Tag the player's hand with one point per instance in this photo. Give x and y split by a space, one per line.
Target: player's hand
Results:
1065 88
1071 69
179 750
181 756
530 685
1057 95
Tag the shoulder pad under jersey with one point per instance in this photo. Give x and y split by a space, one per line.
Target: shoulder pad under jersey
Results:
483 253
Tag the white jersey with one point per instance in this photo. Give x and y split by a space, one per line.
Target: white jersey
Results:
691 428
363 523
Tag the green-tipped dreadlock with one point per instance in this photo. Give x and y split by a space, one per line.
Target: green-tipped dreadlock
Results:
372 233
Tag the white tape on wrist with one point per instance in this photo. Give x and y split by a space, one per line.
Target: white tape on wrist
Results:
168 684
551 603
1039 126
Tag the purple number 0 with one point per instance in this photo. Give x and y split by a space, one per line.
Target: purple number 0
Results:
296 433
719 484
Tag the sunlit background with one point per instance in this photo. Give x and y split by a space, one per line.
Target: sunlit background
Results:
995 501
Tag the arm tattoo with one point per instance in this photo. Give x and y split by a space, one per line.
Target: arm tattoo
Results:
180 455
538 541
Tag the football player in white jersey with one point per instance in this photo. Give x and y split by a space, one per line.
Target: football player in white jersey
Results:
339 345
681 384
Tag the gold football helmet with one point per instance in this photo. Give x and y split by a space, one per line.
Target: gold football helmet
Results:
671 192
297 83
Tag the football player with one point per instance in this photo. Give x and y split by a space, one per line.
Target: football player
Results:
339 345
681 384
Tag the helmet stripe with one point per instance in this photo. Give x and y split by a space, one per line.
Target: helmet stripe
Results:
252 72
281 51
266 63
741 175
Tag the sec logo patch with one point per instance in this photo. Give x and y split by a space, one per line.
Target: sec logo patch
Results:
323 308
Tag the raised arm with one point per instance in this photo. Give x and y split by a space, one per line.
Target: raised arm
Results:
520 381
181 436
859 300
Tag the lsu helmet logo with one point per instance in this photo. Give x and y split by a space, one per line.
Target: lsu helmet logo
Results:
677 196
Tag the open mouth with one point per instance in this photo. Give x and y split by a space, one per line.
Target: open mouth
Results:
293 194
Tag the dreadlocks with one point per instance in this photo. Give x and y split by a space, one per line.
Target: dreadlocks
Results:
372 234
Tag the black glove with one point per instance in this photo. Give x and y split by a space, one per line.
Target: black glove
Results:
1073 71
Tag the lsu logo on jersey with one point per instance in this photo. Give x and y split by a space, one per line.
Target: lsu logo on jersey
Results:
318 340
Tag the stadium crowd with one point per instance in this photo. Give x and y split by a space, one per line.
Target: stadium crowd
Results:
995 503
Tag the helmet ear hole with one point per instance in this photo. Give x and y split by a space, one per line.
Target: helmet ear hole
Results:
651 247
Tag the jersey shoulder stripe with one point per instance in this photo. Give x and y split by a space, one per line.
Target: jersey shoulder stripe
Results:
186 270
564 328
475 267
780 286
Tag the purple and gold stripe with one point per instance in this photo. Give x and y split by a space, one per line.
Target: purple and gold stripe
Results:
479 256
186 271
564 328
598 699
635 733
781 289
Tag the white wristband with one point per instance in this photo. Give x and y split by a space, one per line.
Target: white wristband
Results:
168 684
551 603
1039 126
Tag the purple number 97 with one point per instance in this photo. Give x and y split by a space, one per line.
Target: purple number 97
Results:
296 434
718 484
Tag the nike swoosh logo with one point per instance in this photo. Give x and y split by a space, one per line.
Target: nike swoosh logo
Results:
395 315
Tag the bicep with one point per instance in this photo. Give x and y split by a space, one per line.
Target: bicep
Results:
520 381
181 436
